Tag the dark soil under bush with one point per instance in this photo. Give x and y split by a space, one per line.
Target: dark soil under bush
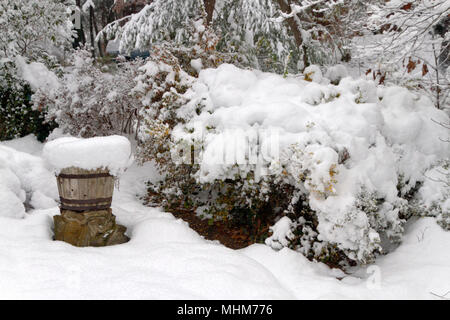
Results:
231 235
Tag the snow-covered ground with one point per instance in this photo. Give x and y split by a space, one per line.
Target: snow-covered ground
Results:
165 259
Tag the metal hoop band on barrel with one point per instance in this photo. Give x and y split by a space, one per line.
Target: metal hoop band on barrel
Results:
92 204
86 208
84 176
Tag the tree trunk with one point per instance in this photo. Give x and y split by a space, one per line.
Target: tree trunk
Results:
438 85
106 14
91 29
285 6
80 38
94 22
209 7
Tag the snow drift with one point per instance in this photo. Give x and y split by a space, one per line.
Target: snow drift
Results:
24 181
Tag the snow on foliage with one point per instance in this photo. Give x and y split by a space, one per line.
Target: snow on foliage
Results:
336 73
249 28
37 75
355 151
281 234
112 153
161 20
434 195
408 43
33 27
254 30
90 101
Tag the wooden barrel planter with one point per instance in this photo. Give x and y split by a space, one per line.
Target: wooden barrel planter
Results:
85 190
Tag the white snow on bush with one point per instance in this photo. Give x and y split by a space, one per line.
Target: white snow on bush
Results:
313 73
112 152
24 179
336 73
197 64
12 196
343 140
281 234
28 144
37 75
435 192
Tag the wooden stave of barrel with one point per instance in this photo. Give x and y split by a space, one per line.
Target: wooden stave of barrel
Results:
85 190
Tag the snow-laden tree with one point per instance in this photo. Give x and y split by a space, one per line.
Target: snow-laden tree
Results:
249 28
33 28
272 35
321 28
161 20
94 16
92 101
408 42
245 27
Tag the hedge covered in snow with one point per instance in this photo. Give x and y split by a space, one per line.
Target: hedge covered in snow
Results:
343 163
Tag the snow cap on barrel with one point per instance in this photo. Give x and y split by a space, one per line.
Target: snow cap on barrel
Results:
111 152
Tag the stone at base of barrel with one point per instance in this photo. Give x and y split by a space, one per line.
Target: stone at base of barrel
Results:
90 228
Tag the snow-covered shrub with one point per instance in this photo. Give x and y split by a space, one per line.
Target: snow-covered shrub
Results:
163 83
200 51
92 101
336 73
434 196
343 163
17 116
162 87
313 73
444 220
32 33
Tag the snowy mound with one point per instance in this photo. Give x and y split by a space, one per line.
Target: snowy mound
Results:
24 181
113 153
345 147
